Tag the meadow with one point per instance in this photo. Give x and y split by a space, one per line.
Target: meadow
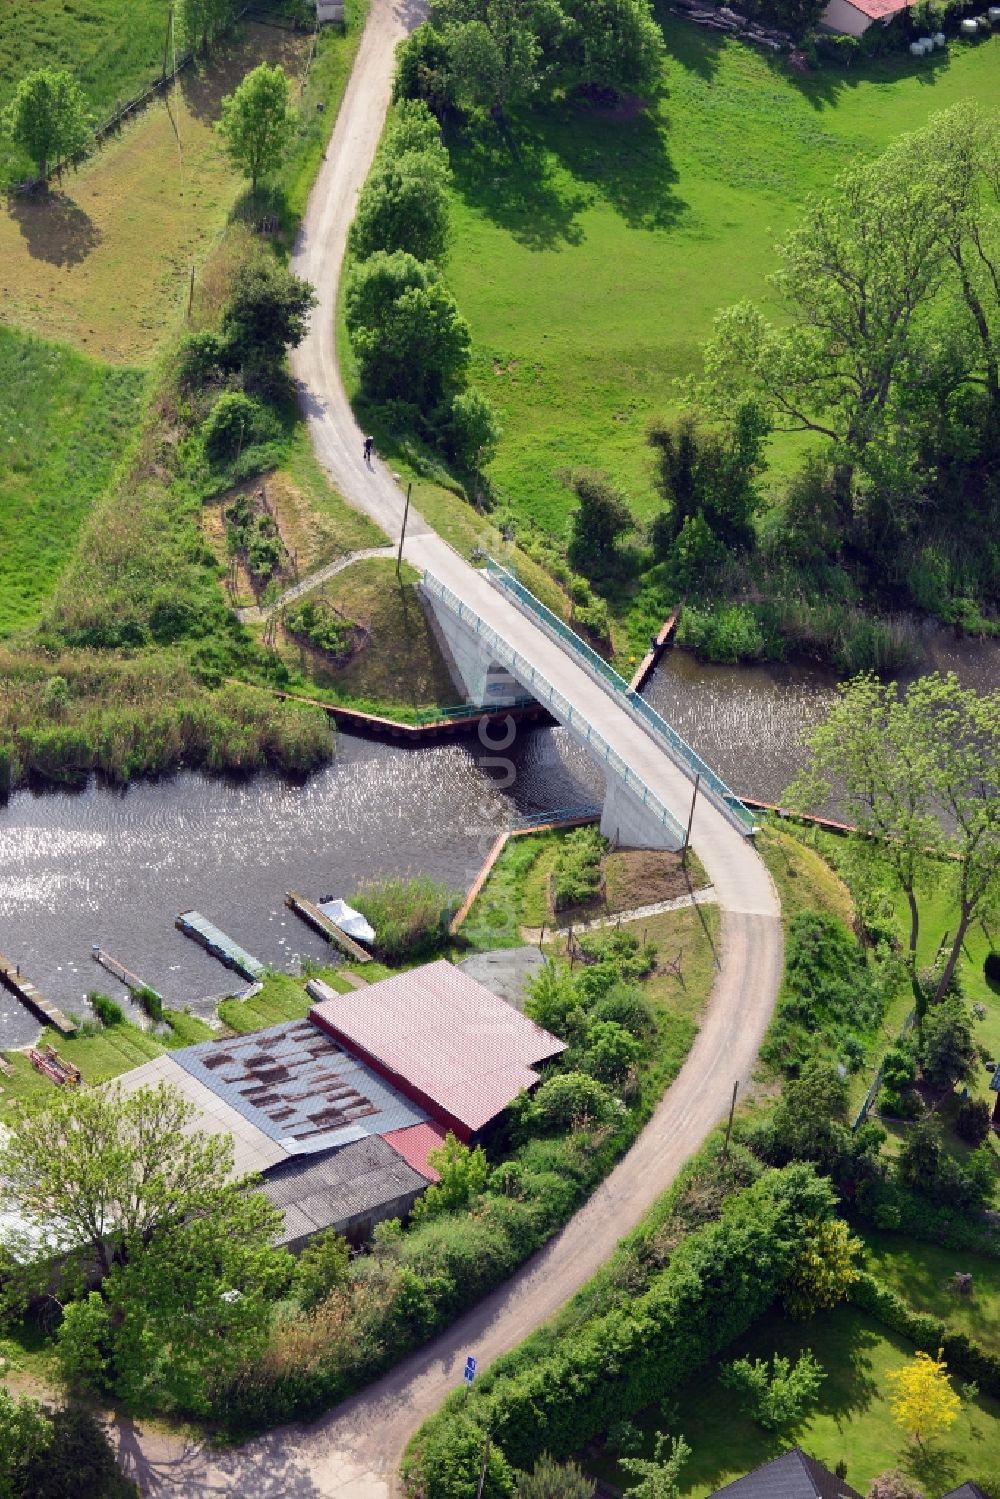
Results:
64 422
113 54
590 267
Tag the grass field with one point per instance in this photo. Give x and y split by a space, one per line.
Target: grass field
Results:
852 1420
64 423
590 271
923 1275
105 264
112 49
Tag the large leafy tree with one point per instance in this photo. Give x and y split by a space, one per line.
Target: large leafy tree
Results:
855 281
403 206
876 750
709 474
178 1320
500 52
611 44
409 338
48 117
268 311
257 122
924 1403
100 1172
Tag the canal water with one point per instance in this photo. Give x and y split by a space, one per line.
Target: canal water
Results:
114 868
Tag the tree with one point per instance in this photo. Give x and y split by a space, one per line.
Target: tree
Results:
611 44
924 1403
659 1479
322 1267
500 52
899 761
893 1484
551 1480
257 122
267 312
408 336
824 1270
201 21
423 70
713 476
879 752
48 117
403 206
473 430
100 1172
571 1100
25 1431
855 281
186 1314
601 516
810 1121
610 1051
948 1052
462 1173
777 1394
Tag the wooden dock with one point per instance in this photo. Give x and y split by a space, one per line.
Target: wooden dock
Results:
13 978
132 981
321 923
214 941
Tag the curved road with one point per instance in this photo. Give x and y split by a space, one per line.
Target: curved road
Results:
353 1452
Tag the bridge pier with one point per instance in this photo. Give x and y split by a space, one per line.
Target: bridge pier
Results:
473 666
625 819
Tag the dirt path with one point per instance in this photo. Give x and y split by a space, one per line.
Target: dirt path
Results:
255 614
353 1452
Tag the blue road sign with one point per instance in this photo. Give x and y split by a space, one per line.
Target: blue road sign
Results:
470 1369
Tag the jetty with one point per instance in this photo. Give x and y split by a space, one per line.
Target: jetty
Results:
132 981
12 977
321 923
201 930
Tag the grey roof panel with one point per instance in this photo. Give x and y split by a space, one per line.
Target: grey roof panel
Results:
322 1191
297 1086
794 1475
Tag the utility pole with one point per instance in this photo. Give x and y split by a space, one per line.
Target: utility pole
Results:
190 294
402 534
687 836
729 1126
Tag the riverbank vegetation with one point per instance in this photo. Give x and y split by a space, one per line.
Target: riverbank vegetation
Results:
665 1277
135 610
587 211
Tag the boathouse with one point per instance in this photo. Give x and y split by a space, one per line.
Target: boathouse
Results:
337 1112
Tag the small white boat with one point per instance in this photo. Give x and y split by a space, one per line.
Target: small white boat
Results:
350 921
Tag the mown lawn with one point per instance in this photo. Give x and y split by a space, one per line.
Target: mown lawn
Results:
851 1422
114 48
590 269
923 1275
282 998
64 424
114 1050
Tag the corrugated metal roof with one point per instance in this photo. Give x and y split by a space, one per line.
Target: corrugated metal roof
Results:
298 1087
442 1037
414 1143
329 1191
254 1150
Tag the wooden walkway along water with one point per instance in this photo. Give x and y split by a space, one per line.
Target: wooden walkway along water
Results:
25 990
132 981
321 923
200 929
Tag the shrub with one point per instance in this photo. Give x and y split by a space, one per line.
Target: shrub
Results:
725 632
947 1049
472 430
551 1480
628 1006
571 1099
105 1008
319 622
201 356
321 1268
775 1395
236 421
410 917
150 1001
610 1051
973 1120
894 1485
576 877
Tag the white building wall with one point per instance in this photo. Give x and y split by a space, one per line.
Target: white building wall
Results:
841 16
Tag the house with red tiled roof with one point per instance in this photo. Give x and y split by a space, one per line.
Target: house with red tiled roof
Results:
853 17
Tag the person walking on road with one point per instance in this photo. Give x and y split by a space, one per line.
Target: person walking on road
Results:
369 449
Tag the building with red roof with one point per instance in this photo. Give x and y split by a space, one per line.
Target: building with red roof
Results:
853 17
441 1039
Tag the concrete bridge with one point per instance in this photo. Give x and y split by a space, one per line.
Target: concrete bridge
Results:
503 641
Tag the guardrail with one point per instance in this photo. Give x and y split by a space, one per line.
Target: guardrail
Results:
544 692
686 758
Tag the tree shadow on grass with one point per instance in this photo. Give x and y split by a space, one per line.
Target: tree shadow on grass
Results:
173 1464
935 1468
56 229
624 157
515 184
824 86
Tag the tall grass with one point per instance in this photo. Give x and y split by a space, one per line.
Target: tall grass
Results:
410 917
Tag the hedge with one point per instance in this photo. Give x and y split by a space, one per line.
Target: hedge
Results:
719 1281
962 1354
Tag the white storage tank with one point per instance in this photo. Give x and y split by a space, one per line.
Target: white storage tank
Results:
940 38
969 27
994 13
